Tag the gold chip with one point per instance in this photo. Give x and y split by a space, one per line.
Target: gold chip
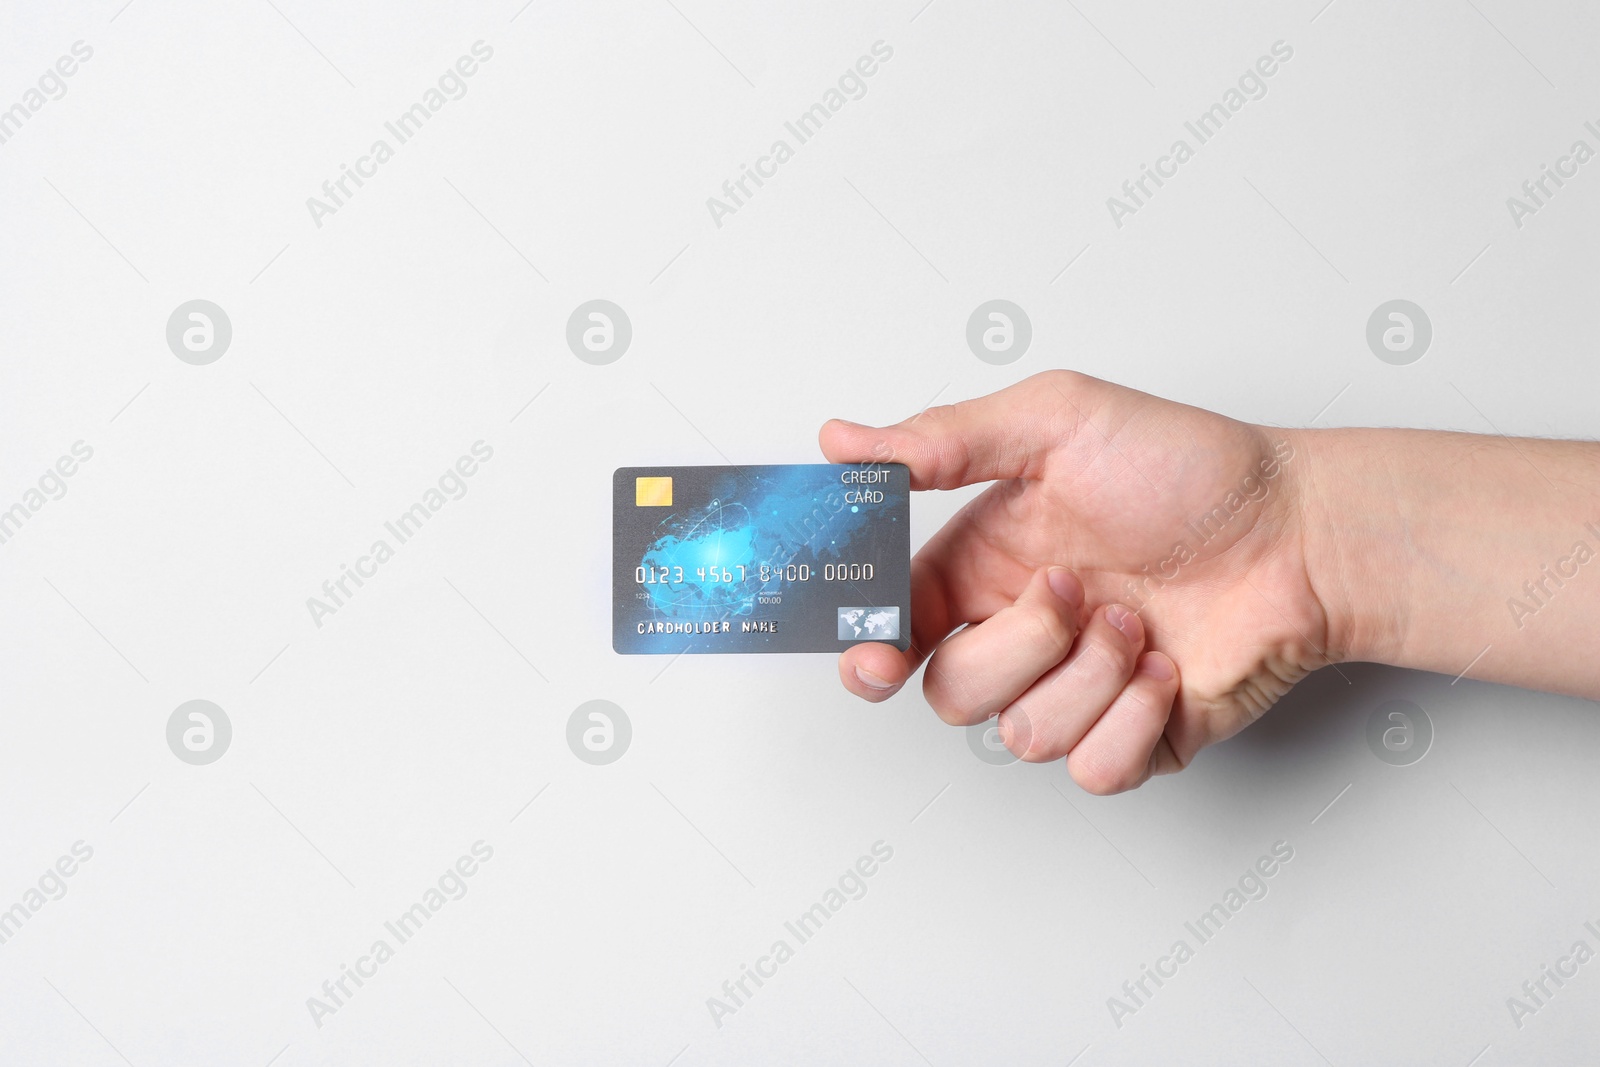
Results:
652 492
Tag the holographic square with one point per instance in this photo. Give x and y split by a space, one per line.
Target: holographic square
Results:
869 624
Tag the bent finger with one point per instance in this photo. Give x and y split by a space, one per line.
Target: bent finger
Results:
1124 746
1061 706
983 668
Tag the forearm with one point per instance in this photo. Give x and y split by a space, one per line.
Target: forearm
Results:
1441 551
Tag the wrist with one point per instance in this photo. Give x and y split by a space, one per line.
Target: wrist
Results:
1451 552
1350 507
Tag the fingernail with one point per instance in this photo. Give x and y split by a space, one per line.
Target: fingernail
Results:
1002 726
872 681
1124 620
1157 667
1065 584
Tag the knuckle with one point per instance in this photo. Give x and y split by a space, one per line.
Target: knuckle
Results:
1107 656
1047 631
1025 740
1063 379
1042 752
949 697
1036 735
932 437
951 458
1099 776
1145 701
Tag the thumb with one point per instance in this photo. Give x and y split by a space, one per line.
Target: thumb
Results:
1003 435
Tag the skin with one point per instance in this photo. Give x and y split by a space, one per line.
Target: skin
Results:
1146 578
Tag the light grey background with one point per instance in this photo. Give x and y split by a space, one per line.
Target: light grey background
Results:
430 311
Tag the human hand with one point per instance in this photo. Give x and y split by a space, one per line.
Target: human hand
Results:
1133 587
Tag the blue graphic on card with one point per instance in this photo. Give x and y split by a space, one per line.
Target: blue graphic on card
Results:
729 553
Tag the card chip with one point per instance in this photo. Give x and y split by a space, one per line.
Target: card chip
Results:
652 492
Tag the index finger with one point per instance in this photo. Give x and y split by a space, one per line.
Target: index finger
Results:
1006 434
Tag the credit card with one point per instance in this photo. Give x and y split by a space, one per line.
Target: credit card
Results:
807 557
